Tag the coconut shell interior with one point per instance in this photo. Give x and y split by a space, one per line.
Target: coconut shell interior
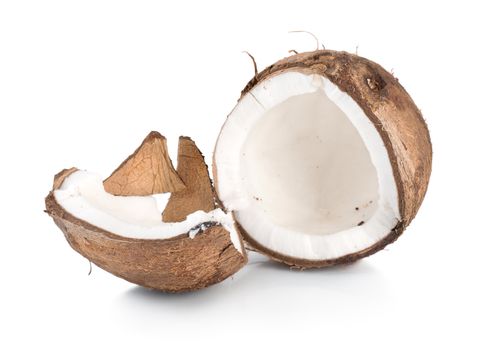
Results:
396 118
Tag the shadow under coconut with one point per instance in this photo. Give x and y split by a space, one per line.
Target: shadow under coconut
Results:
272 285
357 280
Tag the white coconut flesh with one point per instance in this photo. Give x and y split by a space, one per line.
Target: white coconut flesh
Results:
305 170
82 195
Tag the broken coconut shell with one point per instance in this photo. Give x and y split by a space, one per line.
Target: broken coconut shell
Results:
148 170
395 117
174 264
198 193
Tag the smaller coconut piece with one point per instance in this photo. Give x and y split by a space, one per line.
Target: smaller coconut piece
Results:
118 225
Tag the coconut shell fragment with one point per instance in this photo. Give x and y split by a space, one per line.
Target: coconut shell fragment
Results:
175 264
147 171
198 193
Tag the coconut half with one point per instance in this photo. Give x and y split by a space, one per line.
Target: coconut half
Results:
324 160
118 223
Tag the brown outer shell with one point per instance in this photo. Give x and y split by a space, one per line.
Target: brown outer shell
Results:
146 171
198 192
396 118
173 265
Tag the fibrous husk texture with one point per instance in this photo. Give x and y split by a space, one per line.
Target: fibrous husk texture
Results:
147 171
396 118
176 264
198 193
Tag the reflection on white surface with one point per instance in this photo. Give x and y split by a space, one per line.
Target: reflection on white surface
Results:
271 290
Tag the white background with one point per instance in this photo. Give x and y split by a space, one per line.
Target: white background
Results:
81 84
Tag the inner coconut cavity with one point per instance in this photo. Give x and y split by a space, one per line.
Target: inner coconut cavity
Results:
304 169
83 195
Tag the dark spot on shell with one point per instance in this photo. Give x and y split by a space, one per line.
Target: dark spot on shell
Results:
360 223
204 225
375 83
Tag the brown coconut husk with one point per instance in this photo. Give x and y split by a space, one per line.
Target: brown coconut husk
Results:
396 118
198 193
147 171
173 265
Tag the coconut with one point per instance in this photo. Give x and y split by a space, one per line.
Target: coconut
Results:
118 224
324 160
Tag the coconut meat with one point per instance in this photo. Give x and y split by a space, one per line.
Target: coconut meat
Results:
305 170
82 195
